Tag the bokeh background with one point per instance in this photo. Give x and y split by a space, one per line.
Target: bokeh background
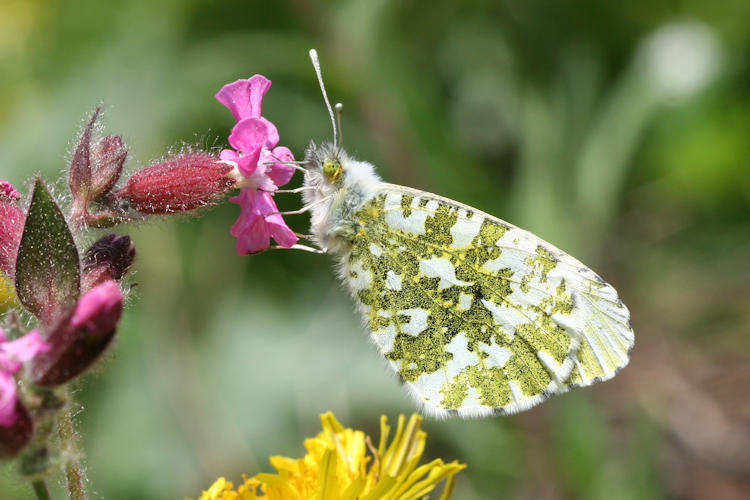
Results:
619 131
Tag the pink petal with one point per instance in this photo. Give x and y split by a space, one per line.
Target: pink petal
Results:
244 200
18 351
99 309
273 134
244 97
229 155
254 228
248 165
249 135
250 132
275 224
256 237
279 174
260 180
250 228
8 391
280 232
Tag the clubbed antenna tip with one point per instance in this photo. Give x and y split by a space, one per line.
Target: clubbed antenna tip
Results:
316 66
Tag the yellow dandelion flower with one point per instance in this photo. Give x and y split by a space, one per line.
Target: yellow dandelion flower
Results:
342 463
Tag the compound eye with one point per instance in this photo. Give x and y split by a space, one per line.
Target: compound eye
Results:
332 169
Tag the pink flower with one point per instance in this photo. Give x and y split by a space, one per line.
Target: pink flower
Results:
260 162
12 354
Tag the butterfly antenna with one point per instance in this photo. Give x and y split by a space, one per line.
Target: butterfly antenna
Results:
316 65
339 111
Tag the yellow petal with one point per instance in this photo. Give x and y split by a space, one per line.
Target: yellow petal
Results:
354 490
404 445
216 489
385 430
381 488
450 483
328 484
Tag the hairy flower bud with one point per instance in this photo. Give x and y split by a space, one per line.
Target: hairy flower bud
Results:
178 184
79 175
81 337
94 169
107 156
12 220
15 437
109 258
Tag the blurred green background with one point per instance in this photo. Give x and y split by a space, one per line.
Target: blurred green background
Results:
619 131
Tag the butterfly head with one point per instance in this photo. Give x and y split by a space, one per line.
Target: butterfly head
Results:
325 165
332 169
327 159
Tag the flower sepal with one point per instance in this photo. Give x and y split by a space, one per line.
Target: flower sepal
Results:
181 183
47 276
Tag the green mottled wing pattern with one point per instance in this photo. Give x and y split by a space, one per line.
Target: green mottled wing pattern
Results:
476 315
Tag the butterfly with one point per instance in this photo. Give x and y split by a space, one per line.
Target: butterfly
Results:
476 316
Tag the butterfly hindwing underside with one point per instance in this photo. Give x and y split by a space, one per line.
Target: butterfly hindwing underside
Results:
476 315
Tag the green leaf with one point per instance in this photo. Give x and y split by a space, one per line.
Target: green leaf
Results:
47 268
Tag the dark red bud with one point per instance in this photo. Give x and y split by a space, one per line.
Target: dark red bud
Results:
12 220
183 182
108 155
16 436
79 177
81 337
109 258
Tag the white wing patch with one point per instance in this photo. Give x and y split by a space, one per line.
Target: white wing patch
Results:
439 267
393 280
465 230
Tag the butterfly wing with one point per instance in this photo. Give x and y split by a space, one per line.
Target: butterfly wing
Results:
476 315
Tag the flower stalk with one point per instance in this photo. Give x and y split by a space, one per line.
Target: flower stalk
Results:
75 476
40 489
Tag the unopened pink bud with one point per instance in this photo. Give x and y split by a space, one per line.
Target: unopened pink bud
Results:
80 338
109 258
181 183
12 220
99 310
15 436
107 155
